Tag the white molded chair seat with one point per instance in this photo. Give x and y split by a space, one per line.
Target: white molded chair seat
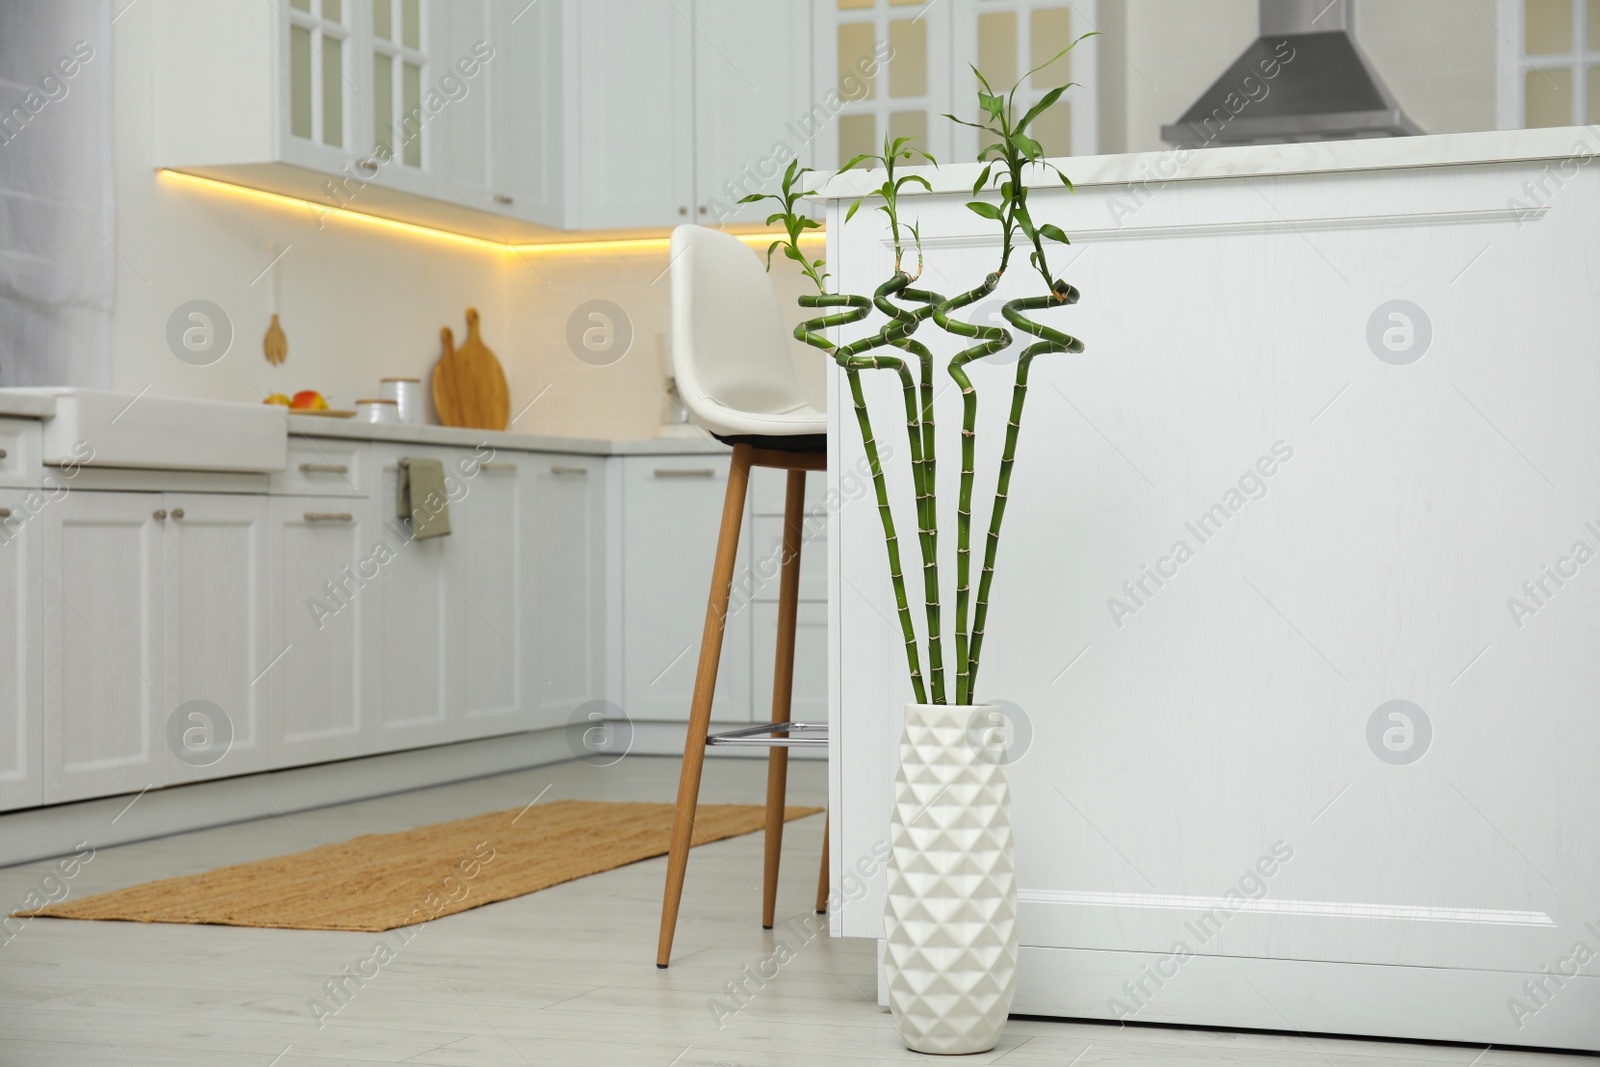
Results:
730 350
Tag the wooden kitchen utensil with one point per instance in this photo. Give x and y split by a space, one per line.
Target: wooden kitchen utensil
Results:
469 388
275 344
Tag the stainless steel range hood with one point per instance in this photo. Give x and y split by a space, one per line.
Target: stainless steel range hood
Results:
1304 79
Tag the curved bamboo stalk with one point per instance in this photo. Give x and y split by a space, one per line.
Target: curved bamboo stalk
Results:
1051 342
927 501
991 339
853 363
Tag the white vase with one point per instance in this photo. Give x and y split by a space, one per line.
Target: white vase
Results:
950 917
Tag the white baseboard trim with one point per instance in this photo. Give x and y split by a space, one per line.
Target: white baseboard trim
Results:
44 832
1306 996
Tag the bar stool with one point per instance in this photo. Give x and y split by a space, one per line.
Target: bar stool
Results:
730 359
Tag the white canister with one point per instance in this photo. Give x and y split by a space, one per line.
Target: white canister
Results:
407 395
382 411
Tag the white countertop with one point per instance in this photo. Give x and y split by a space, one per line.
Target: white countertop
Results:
1251 161
350 429
27 404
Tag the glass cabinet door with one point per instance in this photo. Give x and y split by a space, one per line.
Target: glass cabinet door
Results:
398 62
320 83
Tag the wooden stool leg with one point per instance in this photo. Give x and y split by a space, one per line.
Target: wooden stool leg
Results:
705 684
783 686
822 875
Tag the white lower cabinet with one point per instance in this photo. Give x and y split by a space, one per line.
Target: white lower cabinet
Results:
103 633
672 511
569 585
415 617
323 675
216 640
21 751
808 700
499 685
151 639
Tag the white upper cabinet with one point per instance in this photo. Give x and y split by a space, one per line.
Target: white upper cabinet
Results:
497 118
378 106
635 114
754 110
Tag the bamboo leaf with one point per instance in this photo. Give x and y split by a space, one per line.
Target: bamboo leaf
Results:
773 247
848 215
983 179
753 198
1045 102
988 211
993 105
1054 232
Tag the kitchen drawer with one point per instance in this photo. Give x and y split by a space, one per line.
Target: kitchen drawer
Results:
322 466
768 487
767 559
19 453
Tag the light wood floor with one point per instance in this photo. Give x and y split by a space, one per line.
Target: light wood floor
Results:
561 977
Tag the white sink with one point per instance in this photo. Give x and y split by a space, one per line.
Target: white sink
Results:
162 432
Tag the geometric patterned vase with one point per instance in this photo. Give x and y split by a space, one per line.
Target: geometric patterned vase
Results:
950 917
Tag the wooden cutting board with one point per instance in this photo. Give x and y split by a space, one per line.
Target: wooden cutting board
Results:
469 387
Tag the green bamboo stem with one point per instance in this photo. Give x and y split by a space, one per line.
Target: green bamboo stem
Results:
990 339
853 363
927 505
1052 341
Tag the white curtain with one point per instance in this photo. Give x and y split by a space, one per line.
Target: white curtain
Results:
57 263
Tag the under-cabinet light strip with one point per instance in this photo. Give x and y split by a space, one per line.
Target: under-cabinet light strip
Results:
322 210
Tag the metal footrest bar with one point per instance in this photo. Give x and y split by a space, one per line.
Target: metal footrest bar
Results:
760 736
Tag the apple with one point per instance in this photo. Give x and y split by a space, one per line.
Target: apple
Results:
278 399
309 399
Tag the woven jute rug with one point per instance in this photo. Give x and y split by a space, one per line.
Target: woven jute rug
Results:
382 881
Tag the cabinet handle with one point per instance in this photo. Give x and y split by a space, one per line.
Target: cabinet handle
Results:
502 198
2 453
324 468
177 513
5 513
702 472
579 471
329 516
497 466
159 514
702 209
683 210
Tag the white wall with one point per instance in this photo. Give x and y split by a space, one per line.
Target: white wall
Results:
357 302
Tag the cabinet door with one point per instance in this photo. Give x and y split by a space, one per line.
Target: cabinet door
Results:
527 112
463 147
672 510
416 624
217 650
752 105
808 700
569 541
102 606
323 566
497 653
634 136
21 749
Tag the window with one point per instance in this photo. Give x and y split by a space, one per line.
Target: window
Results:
899 65
1549 63
317 70
397 64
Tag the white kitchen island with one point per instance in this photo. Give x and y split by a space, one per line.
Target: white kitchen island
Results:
1334 443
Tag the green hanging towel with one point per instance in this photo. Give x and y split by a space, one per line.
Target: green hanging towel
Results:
422 498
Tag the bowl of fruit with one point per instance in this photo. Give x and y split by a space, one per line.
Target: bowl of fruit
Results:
307 402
